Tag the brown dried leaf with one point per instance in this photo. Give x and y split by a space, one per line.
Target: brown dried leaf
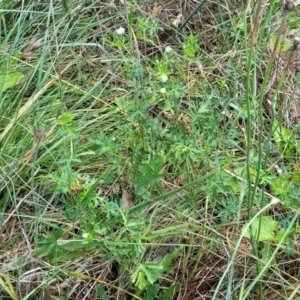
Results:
176 22
126 198
33 45
156 9
6 48
28 54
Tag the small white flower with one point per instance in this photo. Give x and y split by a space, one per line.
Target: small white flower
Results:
278 169
113 138
163 90
84 235
168 49
164 78
120 30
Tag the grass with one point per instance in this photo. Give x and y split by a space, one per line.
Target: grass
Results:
149 151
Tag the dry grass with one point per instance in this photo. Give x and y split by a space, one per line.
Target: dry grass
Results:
67 176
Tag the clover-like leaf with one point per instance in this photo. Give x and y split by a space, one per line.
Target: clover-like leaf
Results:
283 43
263 229
9 78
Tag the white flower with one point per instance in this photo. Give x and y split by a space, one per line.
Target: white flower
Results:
113 138
120 30
164 78
84 235
278 169
163 90
168 49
